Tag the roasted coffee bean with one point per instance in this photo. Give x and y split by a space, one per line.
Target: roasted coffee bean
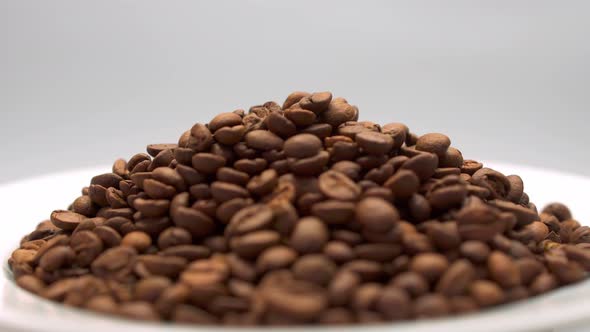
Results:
309 236
83 205
338 186
108 236
411 282
560 211
486 293
115 263
252 244
302 146
66 220
275 258
434 143
263 140
300 214
376 214
138 240
456 280
424 165
431 306
334 212
430 265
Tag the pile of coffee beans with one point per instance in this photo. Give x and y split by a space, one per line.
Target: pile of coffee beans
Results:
300 214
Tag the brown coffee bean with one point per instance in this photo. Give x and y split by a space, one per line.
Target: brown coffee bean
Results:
444 235
379 252
66 220
264 183
230 175
434 143
250 219
83 205
263 140
475 251
31 283
411 282
167 266
196 222
309 236
403 184
423 165
560 211
543 283
456 280
503 270
174 236
252 244
429 265
376 214
109 236
486 293
367 270
314 268
152 207
140 241
431 306
275 258
115 263
278 124
223 191
375 143
56 258
87 246
302 146
306 301
207 163
334 212
338 186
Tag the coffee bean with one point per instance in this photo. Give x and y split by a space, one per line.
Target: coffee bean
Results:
207 163
475 251
56 258
264 183
376 214
275 258
424 165
83 205
116 263
302 146
306 301
314 268
486 293
560 211
108 236
263 140
411 282
456 280
300 117
431 306
430 265
66 220
174 236
309 235
87 247
375 143
252 244
334 212
339 111
434 143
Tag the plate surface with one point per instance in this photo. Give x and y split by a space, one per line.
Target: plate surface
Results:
27 202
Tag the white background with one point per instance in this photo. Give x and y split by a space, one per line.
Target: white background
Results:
85 82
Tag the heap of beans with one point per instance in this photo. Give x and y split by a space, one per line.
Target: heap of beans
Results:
300 214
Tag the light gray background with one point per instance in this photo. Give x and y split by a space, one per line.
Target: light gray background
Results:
85 82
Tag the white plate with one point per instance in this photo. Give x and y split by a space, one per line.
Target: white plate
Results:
27 202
